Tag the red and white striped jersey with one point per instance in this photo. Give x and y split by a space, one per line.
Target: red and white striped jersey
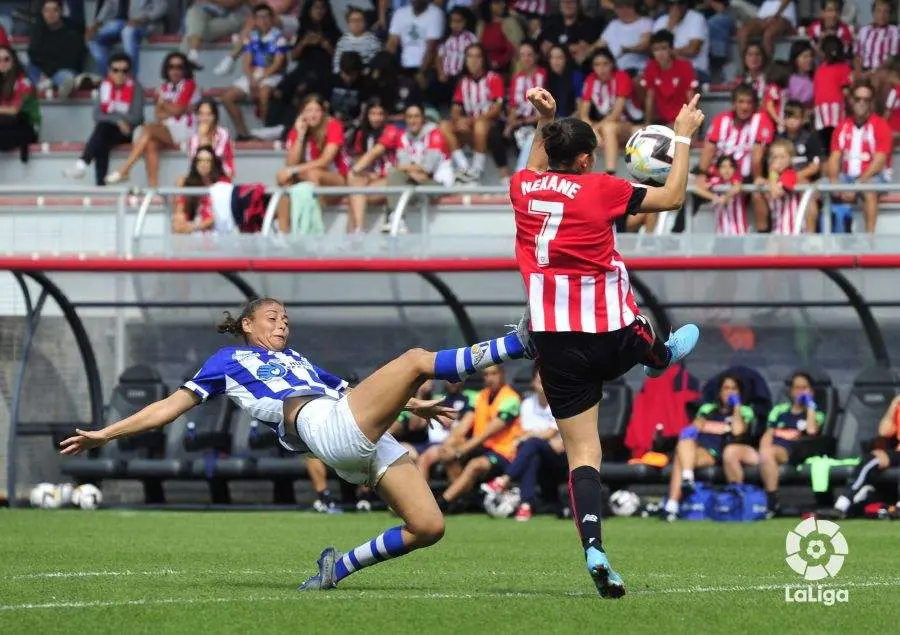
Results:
829 102
758 83
566 250
603 95
893 109
184 93
532 7
223 146
737 138
858 145
476 96
731 216
519 86
453 52
786 218
844 32
777 96
364 140
428 149
876 45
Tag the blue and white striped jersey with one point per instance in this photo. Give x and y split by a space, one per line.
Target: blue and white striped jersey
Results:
258 380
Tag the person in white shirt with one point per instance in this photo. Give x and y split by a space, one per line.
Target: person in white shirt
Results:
540 454
624 36
416 29
774 19
691 35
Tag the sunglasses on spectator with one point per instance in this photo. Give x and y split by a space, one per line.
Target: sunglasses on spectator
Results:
179 67
118 69
858 98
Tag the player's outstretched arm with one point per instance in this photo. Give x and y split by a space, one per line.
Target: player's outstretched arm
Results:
544 103
156 415
671 195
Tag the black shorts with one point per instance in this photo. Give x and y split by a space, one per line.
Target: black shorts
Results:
893 458
574 366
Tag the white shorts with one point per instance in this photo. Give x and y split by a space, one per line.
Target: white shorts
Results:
243 83
330 431
179 129
770 8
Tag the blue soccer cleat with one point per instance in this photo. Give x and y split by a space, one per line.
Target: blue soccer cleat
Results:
680 344
609 583
326 578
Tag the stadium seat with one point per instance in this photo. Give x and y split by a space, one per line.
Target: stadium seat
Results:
615 411
826 397
138 387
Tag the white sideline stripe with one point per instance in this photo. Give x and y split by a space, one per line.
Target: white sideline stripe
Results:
381 595
86 574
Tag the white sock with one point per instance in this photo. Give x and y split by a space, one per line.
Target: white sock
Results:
671 506
460 159
478 162
80 165
842 504
687 475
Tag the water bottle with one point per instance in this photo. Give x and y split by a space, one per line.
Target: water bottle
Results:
657 437
734 401
254 430
191 430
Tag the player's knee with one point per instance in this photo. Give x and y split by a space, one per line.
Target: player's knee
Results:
420 360
428 530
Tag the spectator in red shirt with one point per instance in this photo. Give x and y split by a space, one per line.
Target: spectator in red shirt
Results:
521 118
829 23
831 85
607 104
18 105
195 213
500 34
777 77
669 81
177 98
861 151
475 118
371 161
315 153
211 133
4 38
892 104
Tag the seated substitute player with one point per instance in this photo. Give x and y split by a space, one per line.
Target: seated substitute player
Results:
313 413
585 323
438 436
885 454
702 443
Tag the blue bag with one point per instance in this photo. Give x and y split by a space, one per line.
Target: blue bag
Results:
739 503
697 506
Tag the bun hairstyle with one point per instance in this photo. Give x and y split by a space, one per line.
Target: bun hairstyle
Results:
233 326
566 139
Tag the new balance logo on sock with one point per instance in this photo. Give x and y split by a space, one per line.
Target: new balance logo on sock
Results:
589 518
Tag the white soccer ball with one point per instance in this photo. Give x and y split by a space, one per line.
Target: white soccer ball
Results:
45 496
624 503
65 490
87 497
649 153
504 504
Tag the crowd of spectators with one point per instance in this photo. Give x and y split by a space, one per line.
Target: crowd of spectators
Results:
424 90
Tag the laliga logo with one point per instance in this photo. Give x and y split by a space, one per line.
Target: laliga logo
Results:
816 550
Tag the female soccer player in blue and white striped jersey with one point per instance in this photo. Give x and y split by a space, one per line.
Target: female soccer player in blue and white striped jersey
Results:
314 412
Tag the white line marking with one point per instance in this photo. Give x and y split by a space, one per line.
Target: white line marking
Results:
353 595
86 574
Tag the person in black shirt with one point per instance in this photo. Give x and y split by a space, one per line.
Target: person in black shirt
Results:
348 92
572 29
810 155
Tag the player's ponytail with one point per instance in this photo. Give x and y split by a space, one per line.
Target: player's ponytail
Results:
230 325
234 326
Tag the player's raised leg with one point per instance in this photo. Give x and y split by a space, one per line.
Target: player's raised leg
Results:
679 345
403 488
579 435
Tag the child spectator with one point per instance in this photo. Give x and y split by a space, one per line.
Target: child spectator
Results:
284 18
625 36
265 49
729 208
829 23
755 63
782 196
451 56
892 103
118 111
777 77
607 105
803 64
373 155
565 80
349 90
210 133
20 115
774 19
810 153
315 153
669 81
358 40
500 34
56 51
831 83
475 118
195 213
521 116
125 21
178 97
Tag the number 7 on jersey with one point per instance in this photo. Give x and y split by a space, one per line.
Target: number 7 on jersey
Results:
553 215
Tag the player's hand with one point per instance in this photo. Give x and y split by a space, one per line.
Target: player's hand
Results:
432 409
689 120
542 101
83 441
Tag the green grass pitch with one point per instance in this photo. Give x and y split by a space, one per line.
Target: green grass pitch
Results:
236 572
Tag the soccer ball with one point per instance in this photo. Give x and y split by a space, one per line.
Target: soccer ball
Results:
649 153
624 503
65 491
45 496
504 504
87 497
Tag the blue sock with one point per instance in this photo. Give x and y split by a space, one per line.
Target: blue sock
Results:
455 364
383 547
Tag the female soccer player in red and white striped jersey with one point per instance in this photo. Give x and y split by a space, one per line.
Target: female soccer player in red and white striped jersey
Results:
585 323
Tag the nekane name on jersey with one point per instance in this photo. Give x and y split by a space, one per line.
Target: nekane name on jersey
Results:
554 183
